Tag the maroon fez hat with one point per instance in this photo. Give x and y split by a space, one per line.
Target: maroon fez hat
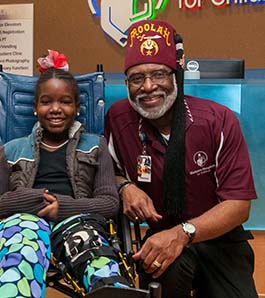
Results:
151 41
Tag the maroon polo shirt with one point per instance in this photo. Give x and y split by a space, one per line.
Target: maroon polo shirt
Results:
217 161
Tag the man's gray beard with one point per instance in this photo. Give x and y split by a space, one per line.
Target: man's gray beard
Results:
168 102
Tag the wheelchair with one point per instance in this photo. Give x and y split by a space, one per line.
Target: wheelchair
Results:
59 278
17 120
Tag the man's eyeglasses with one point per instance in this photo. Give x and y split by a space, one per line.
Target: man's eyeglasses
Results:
157 77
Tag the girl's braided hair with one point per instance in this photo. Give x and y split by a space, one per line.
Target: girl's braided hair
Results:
56 73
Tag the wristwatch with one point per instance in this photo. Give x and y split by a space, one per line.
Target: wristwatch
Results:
189 229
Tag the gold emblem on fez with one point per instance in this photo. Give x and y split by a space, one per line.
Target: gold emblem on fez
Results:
149 47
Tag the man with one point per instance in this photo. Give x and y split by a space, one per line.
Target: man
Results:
182 166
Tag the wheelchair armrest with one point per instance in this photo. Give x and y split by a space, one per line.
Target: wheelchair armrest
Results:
131 241
125 234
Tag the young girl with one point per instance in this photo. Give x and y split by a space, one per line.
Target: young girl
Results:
47 180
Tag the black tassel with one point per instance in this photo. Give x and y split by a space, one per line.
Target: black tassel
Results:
174 166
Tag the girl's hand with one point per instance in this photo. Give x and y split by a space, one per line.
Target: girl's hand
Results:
52 206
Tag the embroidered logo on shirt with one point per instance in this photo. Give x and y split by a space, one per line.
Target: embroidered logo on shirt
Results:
200 158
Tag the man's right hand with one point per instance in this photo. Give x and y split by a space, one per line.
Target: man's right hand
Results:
138 206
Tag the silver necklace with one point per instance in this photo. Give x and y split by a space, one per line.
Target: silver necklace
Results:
54 147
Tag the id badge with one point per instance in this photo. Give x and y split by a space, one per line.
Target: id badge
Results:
144 166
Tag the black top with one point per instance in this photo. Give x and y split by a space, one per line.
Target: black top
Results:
52 173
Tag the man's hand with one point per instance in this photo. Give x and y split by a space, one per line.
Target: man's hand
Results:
138 206
161 249
50 211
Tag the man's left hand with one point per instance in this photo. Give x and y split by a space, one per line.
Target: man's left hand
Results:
161 249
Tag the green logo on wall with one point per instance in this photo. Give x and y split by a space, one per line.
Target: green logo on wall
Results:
116 16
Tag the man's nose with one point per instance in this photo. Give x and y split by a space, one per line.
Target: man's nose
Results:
148 84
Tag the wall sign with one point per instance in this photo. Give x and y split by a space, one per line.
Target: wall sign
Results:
195 4
16 38
116 24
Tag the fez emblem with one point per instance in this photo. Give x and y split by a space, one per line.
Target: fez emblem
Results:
149 47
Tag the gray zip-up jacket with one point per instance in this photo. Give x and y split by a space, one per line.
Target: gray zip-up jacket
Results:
89 167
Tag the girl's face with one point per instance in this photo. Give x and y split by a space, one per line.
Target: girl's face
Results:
56 107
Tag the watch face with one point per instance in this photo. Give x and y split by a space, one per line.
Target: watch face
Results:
189 228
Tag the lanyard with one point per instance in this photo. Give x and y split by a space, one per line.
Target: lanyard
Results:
144 161
142 136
